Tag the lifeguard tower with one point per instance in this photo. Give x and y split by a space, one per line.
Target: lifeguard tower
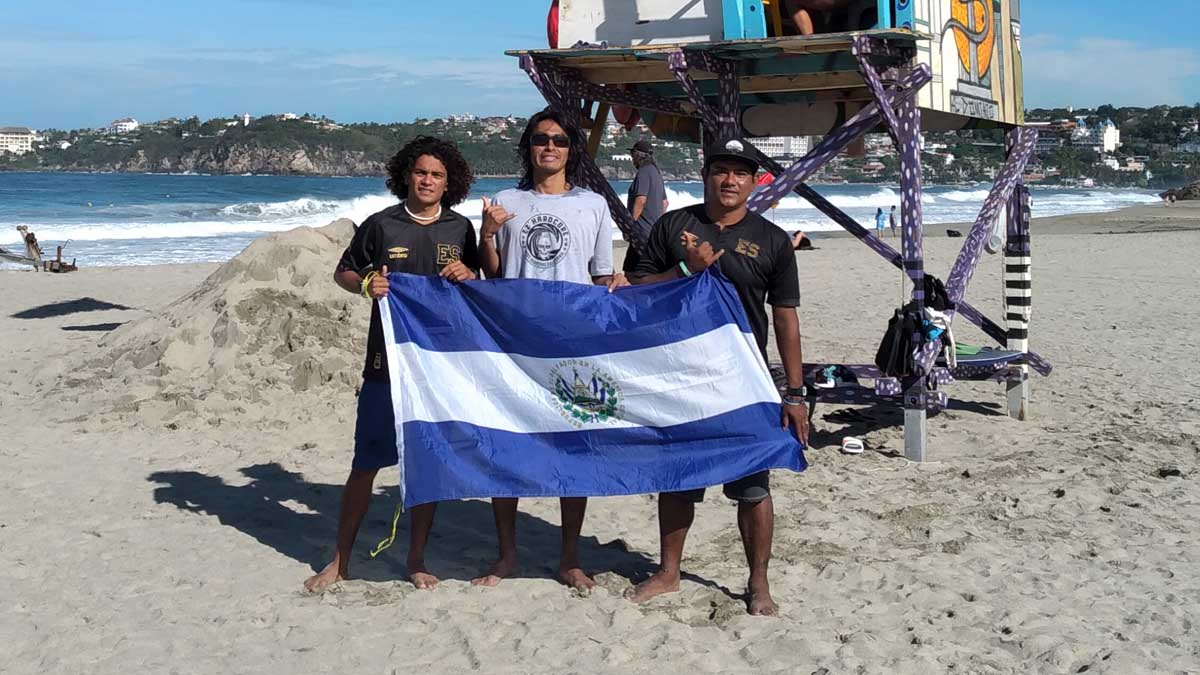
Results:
692 69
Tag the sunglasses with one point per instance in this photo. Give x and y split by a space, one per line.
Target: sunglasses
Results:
560 141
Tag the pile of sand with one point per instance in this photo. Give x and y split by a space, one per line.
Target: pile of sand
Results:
269 323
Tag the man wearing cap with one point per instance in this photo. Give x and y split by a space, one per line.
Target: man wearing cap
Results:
647 198
757 258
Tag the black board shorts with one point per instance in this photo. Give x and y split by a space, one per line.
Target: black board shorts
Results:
752 489
375 428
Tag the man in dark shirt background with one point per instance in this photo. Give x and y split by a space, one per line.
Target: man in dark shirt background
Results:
758 259
647 199
420 235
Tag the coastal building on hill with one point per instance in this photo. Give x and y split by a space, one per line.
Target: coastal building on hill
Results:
783 147
123 126
16 140
1103 138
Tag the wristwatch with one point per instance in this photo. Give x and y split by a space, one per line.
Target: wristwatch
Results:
801 391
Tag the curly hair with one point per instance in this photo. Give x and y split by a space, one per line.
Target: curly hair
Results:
574 156
458 173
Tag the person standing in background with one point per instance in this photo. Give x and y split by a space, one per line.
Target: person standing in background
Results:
647 199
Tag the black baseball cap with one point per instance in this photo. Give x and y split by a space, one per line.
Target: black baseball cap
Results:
731 148
642 146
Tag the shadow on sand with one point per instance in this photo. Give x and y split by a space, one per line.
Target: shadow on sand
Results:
862 420
66 307
279 509
94 327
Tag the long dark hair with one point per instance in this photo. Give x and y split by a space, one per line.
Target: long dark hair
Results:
574 156
458 172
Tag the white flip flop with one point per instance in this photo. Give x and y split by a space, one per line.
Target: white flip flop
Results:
852 446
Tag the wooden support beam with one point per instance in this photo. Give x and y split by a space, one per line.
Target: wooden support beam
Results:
597 132
654 72
807 82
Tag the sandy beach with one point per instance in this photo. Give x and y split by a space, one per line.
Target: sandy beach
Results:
175 439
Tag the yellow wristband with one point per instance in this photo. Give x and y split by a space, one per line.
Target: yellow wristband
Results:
366 284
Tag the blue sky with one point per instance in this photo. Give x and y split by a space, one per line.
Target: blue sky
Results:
69 64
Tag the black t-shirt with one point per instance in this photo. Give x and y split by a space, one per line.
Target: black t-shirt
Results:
633 258
392 238
758 261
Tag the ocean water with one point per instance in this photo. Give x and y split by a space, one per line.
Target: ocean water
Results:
136 219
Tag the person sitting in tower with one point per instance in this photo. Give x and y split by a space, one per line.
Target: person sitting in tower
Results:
801 12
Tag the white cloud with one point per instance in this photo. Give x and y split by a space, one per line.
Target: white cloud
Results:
1091 71
155 79
500 72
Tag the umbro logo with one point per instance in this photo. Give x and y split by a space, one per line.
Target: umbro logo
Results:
397 253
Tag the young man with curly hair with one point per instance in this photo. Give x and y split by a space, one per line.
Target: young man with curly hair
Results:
549 227
420 235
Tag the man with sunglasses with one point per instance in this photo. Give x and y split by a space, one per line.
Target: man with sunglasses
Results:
757 258
550 228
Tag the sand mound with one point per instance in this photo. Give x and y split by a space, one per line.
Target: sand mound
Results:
268 323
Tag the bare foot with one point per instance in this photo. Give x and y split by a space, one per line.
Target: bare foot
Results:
658 583
504 567
326 577
420 577
576 579
761 603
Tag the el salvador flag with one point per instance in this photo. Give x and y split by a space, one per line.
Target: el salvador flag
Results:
525 388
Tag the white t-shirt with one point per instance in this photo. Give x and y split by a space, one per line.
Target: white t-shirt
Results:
566 237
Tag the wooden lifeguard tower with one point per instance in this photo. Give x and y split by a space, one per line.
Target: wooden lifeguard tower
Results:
697 68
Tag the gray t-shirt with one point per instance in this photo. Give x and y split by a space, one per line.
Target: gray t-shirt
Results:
649 183
565 237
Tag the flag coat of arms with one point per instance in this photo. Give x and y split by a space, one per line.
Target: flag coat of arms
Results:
527 388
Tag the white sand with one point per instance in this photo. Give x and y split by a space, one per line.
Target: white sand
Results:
171 483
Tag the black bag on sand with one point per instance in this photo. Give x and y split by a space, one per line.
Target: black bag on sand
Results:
895 355
936 296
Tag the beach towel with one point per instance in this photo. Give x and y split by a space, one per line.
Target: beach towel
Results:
528 388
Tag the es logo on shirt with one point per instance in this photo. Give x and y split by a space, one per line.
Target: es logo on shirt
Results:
448 253
545 240
747 249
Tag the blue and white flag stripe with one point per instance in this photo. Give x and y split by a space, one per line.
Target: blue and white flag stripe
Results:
527 388
496 316
514 395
